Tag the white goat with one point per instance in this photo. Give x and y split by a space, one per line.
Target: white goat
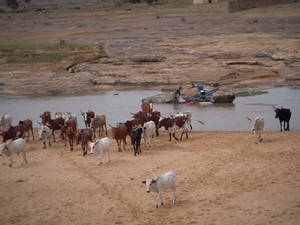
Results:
160 183
11 147
101 146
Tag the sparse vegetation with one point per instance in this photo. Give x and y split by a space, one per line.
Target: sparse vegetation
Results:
33 52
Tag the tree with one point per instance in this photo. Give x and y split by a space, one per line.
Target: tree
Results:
13 4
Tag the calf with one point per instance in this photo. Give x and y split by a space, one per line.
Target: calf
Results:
70 136
98 123
45 133
70 123
258 127
149 133
78 136
283 115
101 146
14 132
11 147
171 124
119 133
136 135
28 127
85 137
160 183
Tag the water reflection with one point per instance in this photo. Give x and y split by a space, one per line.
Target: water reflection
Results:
118 108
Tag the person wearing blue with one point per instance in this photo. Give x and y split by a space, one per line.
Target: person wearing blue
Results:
176 94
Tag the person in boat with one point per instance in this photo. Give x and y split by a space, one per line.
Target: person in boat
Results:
176 94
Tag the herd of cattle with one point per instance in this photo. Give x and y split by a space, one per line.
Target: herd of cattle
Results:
145 124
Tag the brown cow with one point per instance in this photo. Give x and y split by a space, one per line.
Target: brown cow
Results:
147 107
70 136
28 126
144 117
155 116
56 125
85 137
87 116
98 123
70 123
14 132
171 124
78 136
119 133
46 116
132 123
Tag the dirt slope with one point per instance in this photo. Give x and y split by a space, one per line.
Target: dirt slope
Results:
255 49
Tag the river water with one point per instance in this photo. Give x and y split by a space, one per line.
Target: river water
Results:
118 106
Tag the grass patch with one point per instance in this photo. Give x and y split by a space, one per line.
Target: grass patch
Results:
36 52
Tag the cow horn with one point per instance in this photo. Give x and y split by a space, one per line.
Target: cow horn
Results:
249 118
110 125
39 123
274 107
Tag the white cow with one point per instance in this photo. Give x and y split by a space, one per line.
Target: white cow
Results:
258 127
45 133
11 147
187 114
66 116
160 183
101 146
6 121
149 133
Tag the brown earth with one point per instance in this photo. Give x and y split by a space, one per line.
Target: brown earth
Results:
152 47
222 177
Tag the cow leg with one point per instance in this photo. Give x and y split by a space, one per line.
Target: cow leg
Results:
287 125
105 129
53 136
28 136
50 142
108 156
99 158
44 145
119 145
173 194
124 143
32 134
169 136
10 159
280 122
24 161
176 137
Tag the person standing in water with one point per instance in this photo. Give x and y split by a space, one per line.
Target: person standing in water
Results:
176 94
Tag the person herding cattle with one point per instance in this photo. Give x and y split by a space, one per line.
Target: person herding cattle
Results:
176 94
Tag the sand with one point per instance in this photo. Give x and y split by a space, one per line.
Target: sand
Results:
222 178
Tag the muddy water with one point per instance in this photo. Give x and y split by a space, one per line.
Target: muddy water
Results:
118 106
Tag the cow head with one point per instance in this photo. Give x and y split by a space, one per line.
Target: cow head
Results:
277 112
149 183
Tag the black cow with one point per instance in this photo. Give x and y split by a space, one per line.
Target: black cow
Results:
283 115
136 135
